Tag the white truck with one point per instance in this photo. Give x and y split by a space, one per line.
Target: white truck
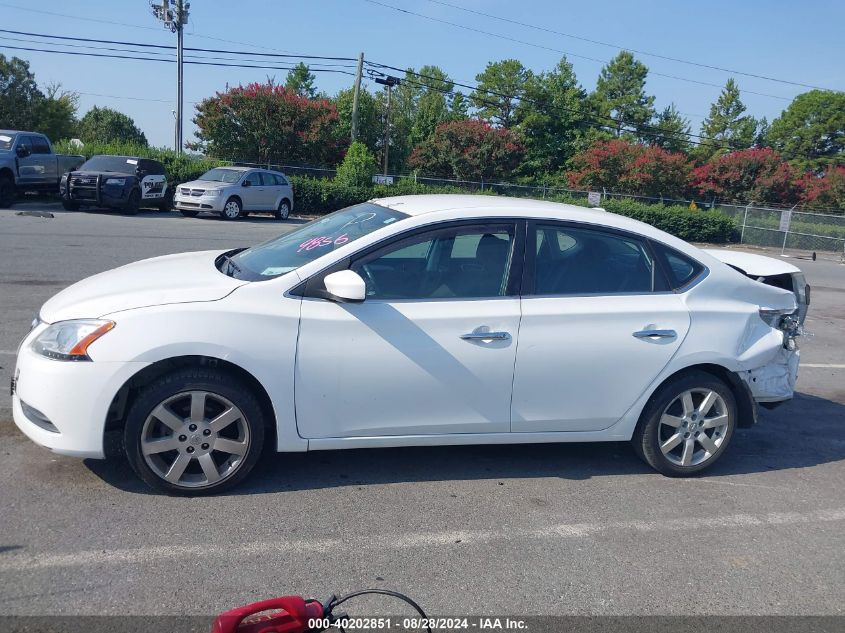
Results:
28 163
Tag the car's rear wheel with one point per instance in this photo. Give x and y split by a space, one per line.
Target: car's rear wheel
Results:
7 192
133 203
189 214
687 425
232 209
196 431
283 212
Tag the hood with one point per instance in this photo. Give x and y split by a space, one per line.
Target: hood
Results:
182 278
206 184
752 264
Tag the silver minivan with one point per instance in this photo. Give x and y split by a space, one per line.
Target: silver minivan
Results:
235 192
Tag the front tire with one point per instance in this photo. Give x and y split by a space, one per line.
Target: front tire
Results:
70 205
133 203
196 431
687 425
283 212
232 210
7 192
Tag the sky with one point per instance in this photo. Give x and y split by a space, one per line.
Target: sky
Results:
796 42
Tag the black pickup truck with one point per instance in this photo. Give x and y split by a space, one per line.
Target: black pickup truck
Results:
126 183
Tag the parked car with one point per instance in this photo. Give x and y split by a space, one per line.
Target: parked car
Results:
28 163
117 182
770 271
235 192
415 320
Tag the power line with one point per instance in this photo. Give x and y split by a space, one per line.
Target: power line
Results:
173 61
557 50
628 48
173 48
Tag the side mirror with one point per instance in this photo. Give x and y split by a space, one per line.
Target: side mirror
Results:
346 286
22 151
246 183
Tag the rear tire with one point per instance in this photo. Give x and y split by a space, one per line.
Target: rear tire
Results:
196 431
189 214
232 210
8 192
133 203
687 425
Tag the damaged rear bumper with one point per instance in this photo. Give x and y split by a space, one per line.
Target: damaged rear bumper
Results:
774 381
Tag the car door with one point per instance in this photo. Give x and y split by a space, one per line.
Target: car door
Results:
273 184
27 164
253 194
429 351
599 323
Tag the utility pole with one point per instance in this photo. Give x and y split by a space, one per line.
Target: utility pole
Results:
388 82
355 96
175 19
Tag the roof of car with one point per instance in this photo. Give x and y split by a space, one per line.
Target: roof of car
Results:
420 204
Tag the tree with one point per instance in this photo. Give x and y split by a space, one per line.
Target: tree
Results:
826 191
619 165
620 95
370 129
56 113
265 123
726 128
19 95
499 90
550 119
358 166
670 131
811 131
432 107
459 107
749 175
301 81
468 150
104 125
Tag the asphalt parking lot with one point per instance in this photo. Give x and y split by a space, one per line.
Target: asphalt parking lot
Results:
549 529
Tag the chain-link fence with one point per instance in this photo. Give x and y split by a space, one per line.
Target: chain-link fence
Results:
788 229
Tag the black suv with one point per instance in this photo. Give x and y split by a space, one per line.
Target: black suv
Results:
117 182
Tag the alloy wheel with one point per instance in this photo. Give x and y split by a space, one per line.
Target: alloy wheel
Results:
195 439
232 210
693 427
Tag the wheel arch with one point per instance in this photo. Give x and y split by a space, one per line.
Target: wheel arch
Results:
746 407
116 415
6 172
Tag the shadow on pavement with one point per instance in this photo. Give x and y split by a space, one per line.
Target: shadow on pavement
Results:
807 432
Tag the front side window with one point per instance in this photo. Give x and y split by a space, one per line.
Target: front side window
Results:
574 261
40 145
254 179
310 241
455 263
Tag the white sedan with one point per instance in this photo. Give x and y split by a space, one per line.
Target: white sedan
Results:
418 320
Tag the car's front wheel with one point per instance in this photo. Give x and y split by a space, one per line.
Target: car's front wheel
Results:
687 425
133 203
232 209
196 431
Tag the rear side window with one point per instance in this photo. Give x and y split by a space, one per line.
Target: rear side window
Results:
40 145
680 269
575 261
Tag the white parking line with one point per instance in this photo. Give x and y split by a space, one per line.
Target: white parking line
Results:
822 365
17 561
7 352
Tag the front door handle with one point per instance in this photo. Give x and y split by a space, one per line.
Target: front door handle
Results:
485 336
656 334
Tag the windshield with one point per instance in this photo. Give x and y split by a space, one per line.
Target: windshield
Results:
120 164
6 141
222 175
305 244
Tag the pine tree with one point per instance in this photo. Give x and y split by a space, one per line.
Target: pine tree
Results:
726 128
620 95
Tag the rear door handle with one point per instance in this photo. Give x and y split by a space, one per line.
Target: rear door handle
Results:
486 336
656 334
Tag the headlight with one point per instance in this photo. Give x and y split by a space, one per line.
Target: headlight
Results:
213 193
116 181
69 340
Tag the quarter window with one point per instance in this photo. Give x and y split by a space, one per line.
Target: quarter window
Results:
681 269
573 261
457 263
